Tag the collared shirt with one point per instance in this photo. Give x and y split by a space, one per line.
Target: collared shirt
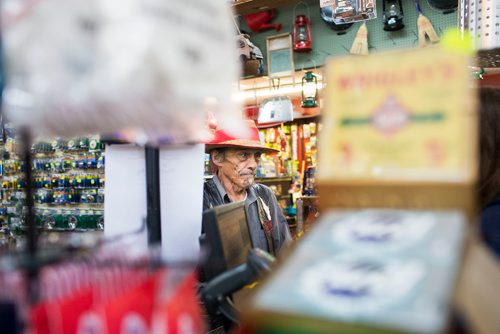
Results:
255 227
220 188
222 191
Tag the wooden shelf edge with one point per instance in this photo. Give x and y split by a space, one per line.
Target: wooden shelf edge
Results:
303 117
244 7
274 179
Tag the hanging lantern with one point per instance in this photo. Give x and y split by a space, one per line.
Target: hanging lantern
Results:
393 15
309 90
301 34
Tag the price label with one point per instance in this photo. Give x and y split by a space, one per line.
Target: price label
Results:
326 3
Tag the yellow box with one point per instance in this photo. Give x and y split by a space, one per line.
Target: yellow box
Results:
399 130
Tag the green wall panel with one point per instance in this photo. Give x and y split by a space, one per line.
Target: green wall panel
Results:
326 42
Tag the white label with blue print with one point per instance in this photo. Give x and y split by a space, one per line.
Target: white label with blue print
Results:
348 286
383 230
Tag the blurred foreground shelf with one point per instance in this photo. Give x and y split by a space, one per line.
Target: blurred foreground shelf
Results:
364 271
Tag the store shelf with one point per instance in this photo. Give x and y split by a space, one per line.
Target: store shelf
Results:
244 7
257 84
284 196
296 117
273 179
70 206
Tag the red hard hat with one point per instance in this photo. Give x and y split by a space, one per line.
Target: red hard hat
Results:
222 138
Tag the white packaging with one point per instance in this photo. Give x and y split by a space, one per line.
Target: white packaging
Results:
151 67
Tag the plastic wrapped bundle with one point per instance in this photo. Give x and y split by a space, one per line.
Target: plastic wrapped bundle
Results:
153 68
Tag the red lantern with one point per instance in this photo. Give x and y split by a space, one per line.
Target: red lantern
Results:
301 34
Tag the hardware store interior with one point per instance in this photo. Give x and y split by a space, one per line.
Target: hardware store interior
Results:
272 166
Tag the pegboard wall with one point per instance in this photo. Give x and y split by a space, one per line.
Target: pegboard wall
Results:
327 42
481 18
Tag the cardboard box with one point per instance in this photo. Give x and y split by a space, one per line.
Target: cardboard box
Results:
373 271
399 129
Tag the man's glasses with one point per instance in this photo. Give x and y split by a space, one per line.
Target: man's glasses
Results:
245 155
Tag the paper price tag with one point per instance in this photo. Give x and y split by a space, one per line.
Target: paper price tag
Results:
326 3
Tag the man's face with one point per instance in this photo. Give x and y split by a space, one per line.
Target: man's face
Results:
238 166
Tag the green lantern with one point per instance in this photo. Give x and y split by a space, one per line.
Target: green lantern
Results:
309 90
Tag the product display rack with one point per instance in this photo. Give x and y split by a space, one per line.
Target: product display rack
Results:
287 173
68 184
297 142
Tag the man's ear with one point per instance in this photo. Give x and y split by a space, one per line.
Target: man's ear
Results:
217 157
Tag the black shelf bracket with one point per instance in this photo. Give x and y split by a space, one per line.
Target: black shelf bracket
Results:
153 195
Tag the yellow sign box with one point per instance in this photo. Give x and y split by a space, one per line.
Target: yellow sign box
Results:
399 116
399 130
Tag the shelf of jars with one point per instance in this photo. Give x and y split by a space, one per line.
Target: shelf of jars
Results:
67 180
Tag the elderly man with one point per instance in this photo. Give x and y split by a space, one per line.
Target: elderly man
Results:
235 161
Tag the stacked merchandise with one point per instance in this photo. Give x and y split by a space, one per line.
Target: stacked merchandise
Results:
378 270
297 143
297 160
68 183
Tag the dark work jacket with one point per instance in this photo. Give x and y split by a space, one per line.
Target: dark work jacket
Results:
490 225
280 232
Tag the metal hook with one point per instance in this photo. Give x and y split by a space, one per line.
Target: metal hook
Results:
304 4
312 61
